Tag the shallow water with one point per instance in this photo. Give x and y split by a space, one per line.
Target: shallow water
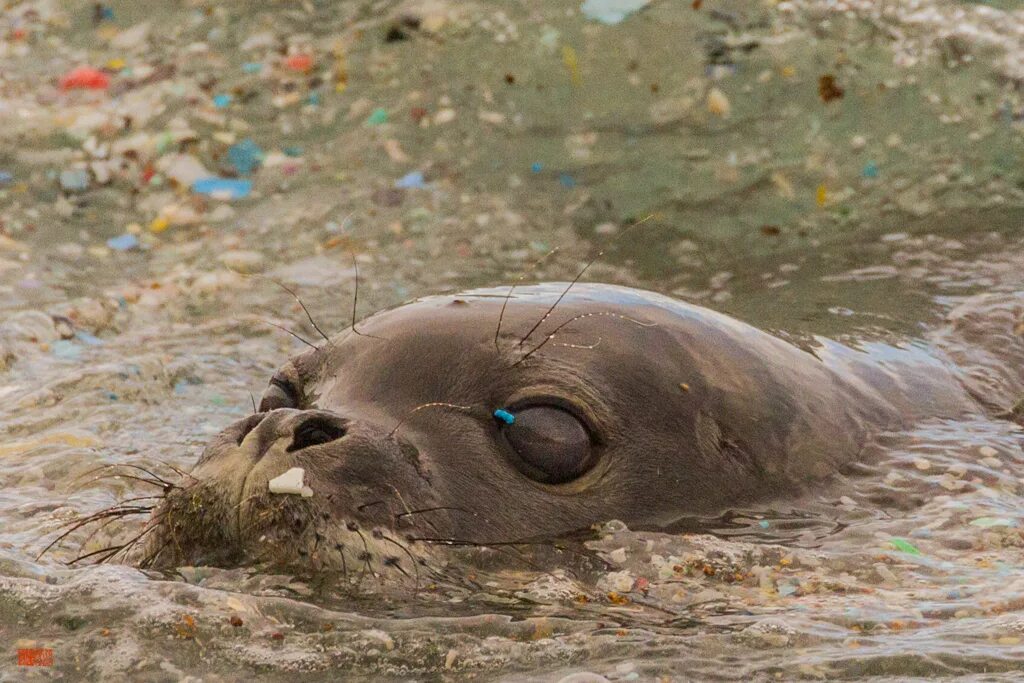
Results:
865 218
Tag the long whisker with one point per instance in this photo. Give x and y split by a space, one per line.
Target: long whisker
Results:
75 525
504 304
144 480
305 310
285 329
434 404
355 300
433 509
577 279
412 559
156 477
599 314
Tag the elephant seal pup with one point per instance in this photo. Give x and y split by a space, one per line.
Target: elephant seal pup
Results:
435 422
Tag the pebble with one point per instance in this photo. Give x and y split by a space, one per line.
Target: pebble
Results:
243 261
718 103
74 179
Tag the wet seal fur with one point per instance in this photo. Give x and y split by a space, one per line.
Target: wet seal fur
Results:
686 410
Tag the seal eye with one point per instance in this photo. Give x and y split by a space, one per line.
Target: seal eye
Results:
551 442
280 394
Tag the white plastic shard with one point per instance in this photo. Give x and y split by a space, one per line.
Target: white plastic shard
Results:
291 482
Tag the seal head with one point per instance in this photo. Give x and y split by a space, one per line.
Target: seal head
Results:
432 422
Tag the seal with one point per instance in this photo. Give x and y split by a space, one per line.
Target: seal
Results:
495 416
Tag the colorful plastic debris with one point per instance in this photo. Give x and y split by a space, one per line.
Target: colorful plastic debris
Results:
611 11
223 188
85 78
123 242
411 181
245 156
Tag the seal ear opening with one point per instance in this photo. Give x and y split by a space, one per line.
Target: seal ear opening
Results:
715 443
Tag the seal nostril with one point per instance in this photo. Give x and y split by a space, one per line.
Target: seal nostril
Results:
248 425
313 432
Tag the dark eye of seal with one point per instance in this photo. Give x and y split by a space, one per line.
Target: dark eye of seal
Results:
552 444
280 394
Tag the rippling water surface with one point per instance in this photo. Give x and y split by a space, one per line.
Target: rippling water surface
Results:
841 169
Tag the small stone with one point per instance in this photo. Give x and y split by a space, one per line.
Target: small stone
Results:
444 116
74 179
243 261
718 103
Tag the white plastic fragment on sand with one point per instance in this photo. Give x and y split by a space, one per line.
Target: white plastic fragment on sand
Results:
611 11
291 482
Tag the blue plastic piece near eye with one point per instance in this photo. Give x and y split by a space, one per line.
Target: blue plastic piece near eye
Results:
505 416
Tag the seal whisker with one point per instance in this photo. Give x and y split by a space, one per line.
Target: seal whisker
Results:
75 525
285 329
355 300
412 559
557 329
156 478
504 304
577 279
164 486
295 296
423 406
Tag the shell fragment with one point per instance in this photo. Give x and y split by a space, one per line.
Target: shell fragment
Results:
291 482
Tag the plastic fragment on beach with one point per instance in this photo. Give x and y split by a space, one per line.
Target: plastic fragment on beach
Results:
536 167
223 188
411 181
904 546
718 103
222 100
567 181
870 170
85 78
828 89
572 63
88 339
123 242
611 11
291 483
377 117
245 156
989 522
74 179
65 349
5 177
821 195
299 62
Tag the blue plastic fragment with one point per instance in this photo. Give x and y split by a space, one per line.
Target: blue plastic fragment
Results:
536 167
252 67
5 177
505 416
231 188
567 181
222 100
87 338
123 242
611 11
870 170
65 349
245 156
411 181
